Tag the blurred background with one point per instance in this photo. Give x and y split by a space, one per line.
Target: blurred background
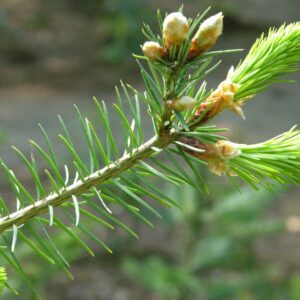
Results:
57 53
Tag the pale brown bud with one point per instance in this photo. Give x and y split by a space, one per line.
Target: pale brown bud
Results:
207 34
153 50
175 29
217 166
227 150
222 97
218 156
182 104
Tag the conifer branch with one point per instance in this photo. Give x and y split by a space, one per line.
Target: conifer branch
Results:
277 159
269 59
179 107
79 187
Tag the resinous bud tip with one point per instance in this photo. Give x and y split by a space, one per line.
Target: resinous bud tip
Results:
175 29
207 34
182 103
228 150
153 50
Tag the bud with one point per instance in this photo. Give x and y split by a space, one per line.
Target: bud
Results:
207 35
175 29
182 104
227 90
221 98
153 50
217 166
227 150
218 155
